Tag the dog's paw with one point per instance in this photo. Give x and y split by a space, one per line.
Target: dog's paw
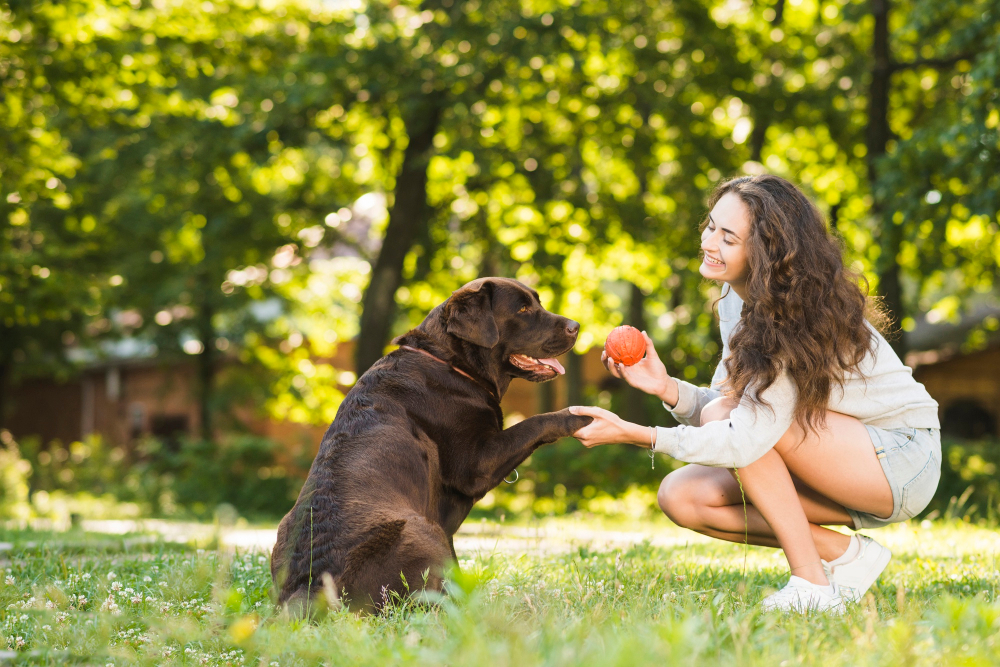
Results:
573 423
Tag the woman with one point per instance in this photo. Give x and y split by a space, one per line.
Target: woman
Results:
810 409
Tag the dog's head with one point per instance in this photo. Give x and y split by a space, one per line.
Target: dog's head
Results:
506 316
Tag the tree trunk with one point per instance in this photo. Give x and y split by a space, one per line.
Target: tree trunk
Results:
546 397
6 368
409 215
206 371
758 136
889 234
574 378
634 404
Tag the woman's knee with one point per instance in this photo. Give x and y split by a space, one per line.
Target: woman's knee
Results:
678 498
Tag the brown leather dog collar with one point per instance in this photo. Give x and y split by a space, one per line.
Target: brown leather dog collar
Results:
452 367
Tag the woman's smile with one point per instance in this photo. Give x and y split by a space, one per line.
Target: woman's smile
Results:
711 261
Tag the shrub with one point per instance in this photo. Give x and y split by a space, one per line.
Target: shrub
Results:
190 478
969 488
14 473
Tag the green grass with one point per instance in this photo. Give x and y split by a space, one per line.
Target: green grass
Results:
94 599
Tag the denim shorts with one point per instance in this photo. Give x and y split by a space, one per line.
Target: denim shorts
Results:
911 460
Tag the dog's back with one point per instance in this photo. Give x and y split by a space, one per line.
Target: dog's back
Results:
363 510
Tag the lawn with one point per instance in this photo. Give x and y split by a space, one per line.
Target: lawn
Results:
558 592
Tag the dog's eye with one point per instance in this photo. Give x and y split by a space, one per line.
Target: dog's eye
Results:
524 309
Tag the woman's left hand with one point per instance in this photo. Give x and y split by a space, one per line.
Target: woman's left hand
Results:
608 428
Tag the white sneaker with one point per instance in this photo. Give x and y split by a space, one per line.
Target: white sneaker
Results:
803 596
856 576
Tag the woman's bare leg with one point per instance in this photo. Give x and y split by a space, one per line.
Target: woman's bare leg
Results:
795 488
708 501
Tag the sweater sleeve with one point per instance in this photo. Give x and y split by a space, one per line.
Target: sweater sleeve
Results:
691 399
748 434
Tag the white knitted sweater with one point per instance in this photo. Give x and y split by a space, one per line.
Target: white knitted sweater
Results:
882 394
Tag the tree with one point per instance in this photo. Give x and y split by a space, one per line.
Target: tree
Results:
52 281
209 175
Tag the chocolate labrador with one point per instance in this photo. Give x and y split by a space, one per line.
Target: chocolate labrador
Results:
416 442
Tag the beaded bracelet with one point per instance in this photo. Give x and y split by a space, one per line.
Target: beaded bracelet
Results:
652 445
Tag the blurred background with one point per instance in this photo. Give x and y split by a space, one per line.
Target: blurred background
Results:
215 215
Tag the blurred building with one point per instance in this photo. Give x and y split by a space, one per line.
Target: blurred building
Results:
966 384
125 400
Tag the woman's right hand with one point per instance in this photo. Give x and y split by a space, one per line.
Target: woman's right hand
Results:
648 374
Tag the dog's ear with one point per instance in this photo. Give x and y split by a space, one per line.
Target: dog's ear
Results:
469 315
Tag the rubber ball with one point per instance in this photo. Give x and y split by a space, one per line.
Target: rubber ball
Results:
625 345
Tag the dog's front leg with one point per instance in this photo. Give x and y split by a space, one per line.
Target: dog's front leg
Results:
497 456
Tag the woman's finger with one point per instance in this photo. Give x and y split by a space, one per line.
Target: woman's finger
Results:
650 348
588 411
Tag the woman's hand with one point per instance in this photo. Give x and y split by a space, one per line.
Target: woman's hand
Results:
648 375
608 428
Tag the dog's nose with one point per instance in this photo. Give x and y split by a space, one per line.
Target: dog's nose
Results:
573 328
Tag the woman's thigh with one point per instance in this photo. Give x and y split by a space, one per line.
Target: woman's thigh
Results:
718 487
839 463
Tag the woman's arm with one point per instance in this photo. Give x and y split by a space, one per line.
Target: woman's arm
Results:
691 398
608 428
683 399
748 434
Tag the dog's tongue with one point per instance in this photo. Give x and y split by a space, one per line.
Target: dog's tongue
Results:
555 365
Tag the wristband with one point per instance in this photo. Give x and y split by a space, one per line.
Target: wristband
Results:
652 445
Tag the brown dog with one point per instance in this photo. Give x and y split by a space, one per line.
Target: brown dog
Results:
416 442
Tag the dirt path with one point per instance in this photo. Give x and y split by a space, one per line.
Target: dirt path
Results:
472 539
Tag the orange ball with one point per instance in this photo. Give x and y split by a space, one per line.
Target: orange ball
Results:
625 345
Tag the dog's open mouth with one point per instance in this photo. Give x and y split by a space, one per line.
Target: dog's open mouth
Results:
539 366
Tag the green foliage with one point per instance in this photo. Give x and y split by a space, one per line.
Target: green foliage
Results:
241 475
14 473
216 179
942 174
969 489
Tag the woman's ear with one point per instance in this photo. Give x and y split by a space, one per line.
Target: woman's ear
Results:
469 315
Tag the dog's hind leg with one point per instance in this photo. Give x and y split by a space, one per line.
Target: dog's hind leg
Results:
378 572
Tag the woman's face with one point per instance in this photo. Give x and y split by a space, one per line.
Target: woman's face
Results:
723 242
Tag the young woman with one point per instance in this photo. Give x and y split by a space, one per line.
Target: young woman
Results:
810 409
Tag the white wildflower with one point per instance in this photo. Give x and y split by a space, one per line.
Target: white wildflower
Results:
110 605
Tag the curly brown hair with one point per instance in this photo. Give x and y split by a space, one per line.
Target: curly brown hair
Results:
804 313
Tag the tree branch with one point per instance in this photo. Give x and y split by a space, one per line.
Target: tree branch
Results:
937 63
